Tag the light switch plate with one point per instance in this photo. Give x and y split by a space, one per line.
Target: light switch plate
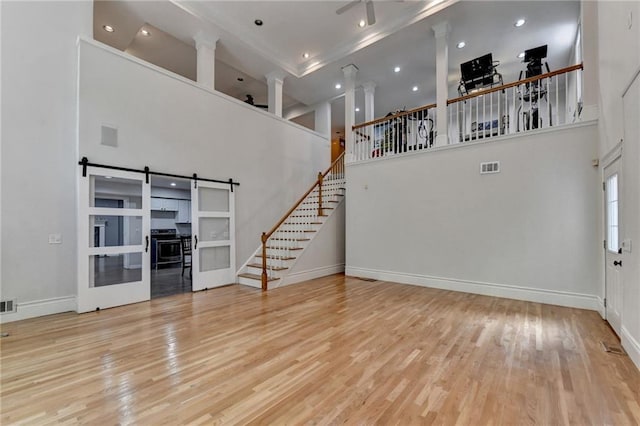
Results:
626 245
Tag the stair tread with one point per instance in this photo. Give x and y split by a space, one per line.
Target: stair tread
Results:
276 257
287 230
256 277
319 215
290 239
308 223
273 268
284 248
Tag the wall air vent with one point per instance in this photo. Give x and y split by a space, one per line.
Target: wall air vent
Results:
490 167
7 306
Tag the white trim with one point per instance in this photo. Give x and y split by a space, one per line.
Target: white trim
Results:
38 308
462 145
192 83
631 81
632 346
323 271
601 309
551 297
612 155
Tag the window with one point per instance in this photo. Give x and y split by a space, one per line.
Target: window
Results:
612 213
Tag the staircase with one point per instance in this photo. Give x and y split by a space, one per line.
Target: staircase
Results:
283 245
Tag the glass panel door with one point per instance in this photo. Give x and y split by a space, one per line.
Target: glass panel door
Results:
613 252
213 229
113 239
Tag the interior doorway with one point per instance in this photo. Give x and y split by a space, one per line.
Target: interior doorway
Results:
170 235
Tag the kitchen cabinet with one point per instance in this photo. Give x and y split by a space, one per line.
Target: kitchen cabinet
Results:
184 211
164 204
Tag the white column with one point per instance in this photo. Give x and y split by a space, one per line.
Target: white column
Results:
442 31
590 59
323 119
275 81
369 93
206 59
350 72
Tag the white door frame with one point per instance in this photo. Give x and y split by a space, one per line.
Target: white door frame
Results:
90 297
211 278
612 274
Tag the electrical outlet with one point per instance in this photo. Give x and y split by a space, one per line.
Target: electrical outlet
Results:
55 238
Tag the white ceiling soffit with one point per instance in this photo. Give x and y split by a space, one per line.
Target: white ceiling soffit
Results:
337 37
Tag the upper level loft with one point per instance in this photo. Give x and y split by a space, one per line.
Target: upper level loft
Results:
487 109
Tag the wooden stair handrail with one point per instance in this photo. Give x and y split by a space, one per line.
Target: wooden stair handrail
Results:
391 117
516 83
266 235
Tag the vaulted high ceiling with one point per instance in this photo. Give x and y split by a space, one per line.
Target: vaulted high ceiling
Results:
402 36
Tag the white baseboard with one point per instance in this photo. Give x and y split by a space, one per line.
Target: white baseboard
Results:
551 297
632 346
297 277
38 308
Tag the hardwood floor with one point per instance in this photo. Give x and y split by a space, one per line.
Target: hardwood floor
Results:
333 350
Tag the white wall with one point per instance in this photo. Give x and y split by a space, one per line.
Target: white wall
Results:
619 53
172 125
528 232
39 158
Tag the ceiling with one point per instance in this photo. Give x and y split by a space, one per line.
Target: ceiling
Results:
402 36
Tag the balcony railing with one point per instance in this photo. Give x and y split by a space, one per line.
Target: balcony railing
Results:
405 131
539 102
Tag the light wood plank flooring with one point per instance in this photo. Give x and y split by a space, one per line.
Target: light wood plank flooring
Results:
333 350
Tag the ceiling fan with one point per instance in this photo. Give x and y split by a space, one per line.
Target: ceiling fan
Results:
250 101
371 14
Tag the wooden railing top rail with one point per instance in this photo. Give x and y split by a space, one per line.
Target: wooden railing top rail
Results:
473 95
391 117
295 206
515 83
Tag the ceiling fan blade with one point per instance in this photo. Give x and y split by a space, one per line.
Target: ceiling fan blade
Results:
371 14
346 7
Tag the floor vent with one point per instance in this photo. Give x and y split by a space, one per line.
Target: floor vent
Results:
614 349
7 306
371 280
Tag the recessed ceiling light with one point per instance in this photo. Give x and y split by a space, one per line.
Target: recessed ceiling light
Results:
357 109
107 177
396 69
338 86
108 28
258 22
521 55
362 24
145 33
172 184
305 55
461 45
520 22
415 88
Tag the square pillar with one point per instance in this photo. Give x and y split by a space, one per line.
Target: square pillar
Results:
275 80
350 72
441 32
206 59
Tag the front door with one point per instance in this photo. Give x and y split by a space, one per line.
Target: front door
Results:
213 235
113 239
613 251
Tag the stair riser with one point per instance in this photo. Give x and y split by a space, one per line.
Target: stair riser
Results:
276 262
298 227
258 271
284 252
286 244
253 283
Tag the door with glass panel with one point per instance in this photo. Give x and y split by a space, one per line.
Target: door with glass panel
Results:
113 239
213 235
613 250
